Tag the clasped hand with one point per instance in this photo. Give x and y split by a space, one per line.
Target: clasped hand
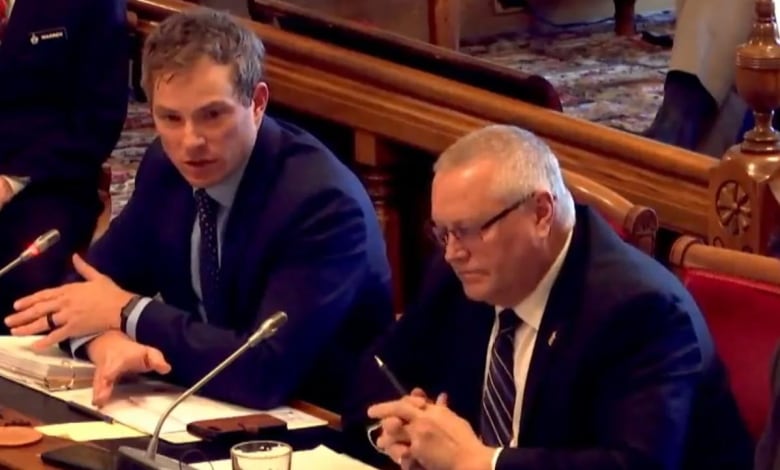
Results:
76 309
418 433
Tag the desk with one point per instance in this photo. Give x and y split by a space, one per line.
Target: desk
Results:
43 409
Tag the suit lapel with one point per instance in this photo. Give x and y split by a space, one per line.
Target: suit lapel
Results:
178 236
562 304
474 324
243 223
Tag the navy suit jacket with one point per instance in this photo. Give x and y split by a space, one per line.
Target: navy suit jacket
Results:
302 237
63 89
630 379
768 449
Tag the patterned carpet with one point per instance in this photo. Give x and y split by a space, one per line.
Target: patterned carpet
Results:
615 81
136 136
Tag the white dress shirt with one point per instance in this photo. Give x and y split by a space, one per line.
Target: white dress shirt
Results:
530 310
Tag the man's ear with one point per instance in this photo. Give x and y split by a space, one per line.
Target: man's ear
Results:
544 212
260 101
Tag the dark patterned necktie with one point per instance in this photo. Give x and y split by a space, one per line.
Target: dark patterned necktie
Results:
209 251
498 397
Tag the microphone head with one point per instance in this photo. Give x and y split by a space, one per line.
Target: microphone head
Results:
45 241
41 244
268 328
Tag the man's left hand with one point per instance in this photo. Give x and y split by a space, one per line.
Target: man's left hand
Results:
439 439
77 309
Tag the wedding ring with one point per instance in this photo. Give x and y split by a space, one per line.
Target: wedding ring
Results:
50 321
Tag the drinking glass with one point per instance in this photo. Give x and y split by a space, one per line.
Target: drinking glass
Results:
261 455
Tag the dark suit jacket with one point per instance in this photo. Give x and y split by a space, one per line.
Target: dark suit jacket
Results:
63 89
768 449
63 101
302 237
630 381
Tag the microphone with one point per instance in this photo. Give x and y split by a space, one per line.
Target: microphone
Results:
41 244
149 459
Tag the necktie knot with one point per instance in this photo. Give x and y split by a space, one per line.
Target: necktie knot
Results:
508 320
206 205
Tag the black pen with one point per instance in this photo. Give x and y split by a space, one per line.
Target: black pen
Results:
390 376
89 412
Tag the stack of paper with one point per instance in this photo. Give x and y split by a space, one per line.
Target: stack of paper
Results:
50 370
319 458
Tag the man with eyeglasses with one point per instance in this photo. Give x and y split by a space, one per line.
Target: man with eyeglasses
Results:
543 341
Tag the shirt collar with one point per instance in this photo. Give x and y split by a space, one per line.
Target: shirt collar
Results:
224 192
531 308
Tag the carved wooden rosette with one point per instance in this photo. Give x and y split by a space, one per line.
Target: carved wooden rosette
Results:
375 166
642 225
745 214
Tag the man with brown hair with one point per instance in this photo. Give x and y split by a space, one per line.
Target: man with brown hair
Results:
235 216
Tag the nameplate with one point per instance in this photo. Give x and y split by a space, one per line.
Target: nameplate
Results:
53 34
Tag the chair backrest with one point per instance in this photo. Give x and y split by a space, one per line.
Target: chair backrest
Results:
739 296
634 223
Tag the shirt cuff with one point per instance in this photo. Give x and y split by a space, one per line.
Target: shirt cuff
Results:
76 343
495 457
134 316
17 184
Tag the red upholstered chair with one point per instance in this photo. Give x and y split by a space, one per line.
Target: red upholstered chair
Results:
739 295
635 224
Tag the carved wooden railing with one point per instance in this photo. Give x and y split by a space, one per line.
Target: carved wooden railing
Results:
745 187
390 120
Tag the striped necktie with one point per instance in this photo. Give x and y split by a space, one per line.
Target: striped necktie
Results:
498 397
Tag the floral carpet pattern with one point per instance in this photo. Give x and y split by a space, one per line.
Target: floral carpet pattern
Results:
614 81
600 77
136 136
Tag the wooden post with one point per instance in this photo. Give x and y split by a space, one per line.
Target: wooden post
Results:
746 211
444 23
625 11
375 167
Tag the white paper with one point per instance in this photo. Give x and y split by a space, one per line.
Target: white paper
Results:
140 405
89 431
319 458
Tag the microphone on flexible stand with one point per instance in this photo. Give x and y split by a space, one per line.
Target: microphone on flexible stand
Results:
149 459
41 244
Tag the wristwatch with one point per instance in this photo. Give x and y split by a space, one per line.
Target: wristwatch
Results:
126 311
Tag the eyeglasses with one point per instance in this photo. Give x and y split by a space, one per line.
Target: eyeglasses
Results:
471 234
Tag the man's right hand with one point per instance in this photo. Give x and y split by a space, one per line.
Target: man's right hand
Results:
394 441
114 355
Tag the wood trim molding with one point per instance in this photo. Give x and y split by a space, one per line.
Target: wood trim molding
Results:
693 253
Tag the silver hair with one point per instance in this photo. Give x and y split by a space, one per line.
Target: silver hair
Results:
526 164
